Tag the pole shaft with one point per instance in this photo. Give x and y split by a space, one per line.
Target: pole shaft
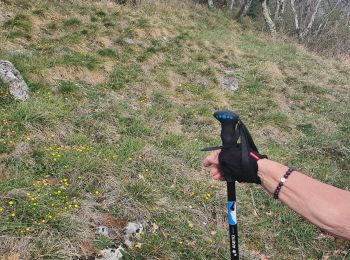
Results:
232 220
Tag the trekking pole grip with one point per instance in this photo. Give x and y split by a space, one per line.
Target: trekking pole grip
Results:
228 122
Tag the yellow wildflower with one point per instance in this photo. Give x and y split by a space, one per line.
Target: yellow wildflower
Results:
11 203
13 214
97 193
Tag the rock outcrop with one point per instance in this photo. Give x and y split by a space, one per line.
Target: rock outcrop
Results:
13 79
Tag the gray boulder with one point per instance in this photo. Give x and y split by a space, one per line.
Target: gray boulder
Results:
12 77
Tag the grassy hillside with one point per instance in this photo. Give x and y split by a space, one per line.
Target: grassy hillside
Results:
121 104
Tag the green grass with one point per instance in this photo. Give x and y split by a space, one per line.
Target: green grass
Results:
71 22
102 242
107 52
18 26
66 87
118 129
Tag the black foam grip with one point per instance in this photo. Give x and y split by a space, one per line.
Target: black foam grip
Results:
228 122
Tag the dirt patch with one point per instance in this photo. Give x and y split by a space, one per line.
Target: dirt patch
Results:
176 79
152 63
108 66
107 42
161 34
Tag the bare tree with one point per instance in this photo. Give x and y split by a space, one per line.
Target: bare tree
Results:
244 8
304 16
231 5
247 7
267 16
280 6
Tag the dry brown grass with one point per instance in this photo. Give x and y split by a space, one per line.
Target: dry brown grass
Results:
67 73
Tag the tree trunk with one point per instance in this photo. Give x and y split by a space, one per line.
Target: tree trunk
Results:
296 19
244 8
311 20
301 30
231 5
268 20
280 6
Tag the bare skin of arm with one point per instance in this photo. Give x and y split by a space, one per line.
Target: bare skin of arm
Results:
323 205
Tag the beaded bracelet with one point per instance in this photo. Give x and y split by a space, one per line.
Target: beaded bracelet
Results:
282 181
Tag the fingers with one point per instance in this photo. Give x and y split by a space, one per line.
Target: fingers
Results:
216 174
212 159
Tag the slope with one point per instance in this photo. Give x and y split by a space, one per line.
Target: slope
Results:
121 104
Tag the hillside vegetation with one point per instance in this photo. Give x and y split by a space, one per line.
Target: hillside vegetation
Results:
121 104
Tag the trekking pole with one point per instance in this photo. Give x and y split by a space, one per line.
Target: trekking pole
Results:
232 129
228 122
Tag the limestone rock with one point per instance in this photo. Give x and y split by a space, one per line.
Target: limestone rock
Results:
132 230
229 83
128 41
106 231
12 77
111 254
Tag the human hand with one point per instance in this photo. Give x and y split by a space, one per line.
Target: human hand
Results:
226 165
212 161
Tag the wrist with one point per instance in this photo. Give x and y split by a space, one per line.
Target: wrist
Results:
270 173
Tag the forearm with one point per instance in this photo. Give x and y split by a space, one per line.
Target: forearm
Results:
323 205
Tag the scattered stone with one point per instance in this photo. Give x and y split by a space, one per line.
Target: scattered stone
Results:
132 230
12 77
111 254
128 41
229 83
102 230
106 231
